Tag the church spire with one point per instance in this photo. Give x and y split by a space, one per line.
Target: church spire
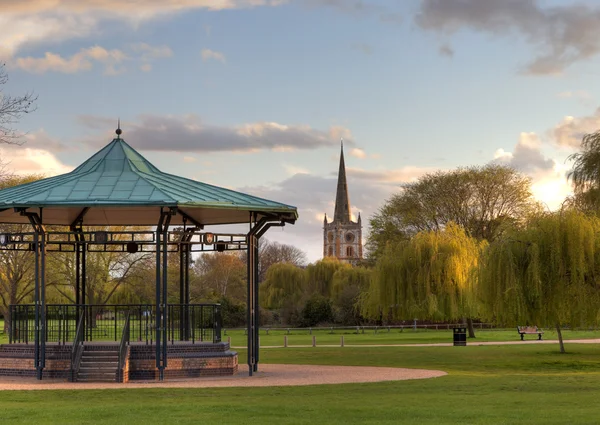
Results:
342 201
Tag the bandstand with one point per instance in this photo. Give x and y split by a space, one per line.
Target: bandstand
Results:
164 214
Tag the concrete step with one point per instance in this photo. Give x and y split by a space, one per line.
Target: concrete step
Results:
98 365
99 360
96 379
112 366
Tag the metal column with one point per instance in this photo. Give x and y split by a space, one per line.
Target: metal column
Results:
161 290
39 245
253 314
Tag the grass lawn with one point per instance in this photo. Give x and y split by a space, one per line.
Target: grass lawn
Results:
531 384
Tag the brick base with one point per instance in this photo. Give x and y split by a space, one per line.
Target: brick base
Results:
184 360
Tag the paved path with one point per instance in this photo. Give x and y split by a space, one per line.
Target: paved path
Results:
441 344
268 375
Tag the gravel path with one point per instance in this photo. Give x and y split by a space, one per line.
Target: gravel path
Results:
267 376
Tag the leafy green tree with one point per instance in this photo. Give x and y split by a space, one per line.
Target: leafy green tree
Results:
317 310
431 276
479 199
348 284
283 290
219 274
585 175
319 276
16 267
545 274
271 253
233 313
106 272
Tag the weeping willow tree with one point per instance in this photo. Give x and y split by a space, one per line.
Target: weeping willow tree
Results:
432 276
585 175
320 275
544 274
283 290
348 284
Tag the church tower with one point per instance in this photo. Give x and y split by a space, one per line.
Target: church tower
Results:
342 238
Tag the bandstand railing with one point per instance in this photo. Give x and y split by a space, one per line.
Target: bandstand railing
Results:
185 322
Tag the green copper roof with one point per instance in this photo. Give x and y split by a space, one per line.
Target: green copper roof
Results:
120 187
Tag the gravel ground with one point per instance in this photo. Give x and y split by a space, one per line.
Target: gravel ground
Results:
267 376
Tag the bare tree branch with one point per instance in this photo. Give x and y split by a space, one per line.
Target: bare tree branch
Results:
12 109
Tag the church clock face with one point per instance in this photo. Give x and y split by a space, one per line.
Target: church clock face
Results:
349 237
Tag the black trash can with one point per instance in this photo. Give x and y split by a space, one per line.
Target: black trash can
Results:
460 337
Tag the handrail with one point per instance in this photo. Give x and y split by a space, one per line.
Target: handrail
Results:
123 346
77 349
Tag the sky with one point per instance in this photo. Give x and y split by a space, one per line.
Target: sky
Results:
255 95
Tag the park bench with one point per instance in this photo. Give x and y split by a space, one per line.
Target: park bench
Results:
526 330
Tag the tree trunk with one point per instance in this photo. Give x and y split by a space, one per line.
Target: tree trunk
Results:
560 339
470 327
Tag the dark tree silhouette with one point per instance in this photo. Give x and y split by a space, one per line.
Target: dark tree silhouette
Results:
12 109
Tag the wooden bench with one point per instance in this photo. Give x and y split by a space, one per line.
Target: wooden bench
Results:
525 330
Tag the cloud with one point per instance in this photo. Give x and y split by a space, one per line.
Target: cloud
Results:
570 131
365 197
208 54
367 192
41 140
189 134
27 160
358 153
84 60
189 159
81 61
577 94
562 35
549 184
42 21
294 169
396 176
526 156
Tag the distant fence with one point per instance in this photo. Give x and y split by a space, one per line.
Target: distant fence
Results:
363 329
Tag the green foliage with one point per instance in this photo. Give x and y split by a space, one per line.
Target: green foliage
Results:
431 276
586 164
317 310
320 275
233 313
585 175
220 274
545 274
348 284
16 267
482 200
283 286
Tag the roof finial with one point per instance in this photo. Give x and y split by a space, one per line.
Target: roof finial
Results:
119 131
342 142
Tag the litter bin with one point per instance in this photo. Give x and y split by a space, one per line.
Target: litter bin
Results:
460 337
